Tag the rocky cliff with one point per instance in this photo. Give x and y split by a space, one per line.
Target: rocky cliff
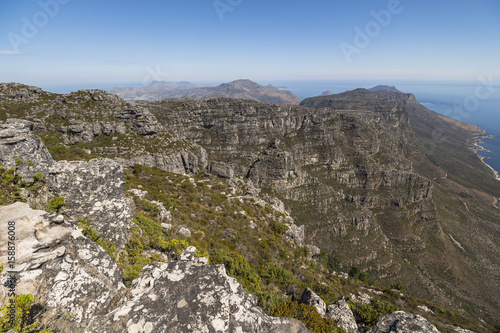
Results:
357 179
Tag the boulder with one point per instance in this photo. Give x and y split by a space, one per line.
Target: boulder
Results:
94 190
309 297
295 234
342 314
187 296
68 275
402 322
18 143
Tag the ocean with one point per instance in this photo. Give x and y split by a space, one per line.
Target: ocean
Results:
477 103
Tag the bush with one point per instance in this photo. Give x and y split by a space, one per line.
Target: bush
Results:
22 320
279 274
365 313
356 273
55 204
306 314
279 228
237 266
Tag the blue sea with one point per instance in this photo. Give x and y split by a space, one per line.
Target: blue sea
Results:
476 103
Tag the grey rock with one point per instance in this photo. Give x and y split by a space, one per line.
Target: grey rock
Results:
342 314
184 232
185 296
94 190
65 271
17 141
166 226
296 234
402 322
309 297
314 251
222 170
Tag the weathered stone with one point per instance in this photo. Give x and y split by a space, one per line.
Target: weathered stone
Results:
184 296
66 272
309 297
184 232
342 314
222 170
402 322
314 251
295 233
17 141
94 190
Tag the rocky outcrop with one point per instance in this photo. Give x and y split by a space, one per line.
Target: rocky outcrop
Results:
185 295
22 150
69 275
342 314
94 190
402 322
310 298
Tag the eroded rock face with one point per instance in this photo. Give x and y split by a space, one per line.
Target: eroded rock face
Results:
309 297
402 322
67 274
18 142
340 170
94 190
187 296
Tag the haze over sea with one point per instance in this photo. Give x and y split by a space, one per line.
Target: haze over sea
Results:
455 100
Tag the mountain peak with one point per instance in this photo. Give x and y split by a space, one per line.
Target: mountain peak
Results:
384 87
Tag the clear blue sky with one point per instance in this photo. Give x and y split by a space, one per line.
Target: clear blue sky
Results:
90 41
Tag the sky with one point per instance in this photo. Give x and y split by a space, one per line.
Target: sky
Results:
50 42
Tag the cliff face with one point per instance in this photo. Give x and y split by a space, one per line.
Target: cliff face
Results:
342 170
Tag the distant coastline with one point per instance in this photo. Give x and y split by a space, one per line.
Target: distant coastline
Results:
477 148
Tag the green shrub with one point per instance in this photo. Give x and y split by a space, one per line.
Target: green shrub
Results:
237 266
21 319
55 204
356 273
365 313
18 161
279 228
306 314
30 163
279 274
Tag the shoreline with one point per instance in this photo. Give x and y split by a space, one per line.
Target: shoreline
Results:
497 176
476 147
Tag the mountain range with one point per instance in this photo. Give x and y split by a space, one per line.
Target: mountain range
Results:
236 89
